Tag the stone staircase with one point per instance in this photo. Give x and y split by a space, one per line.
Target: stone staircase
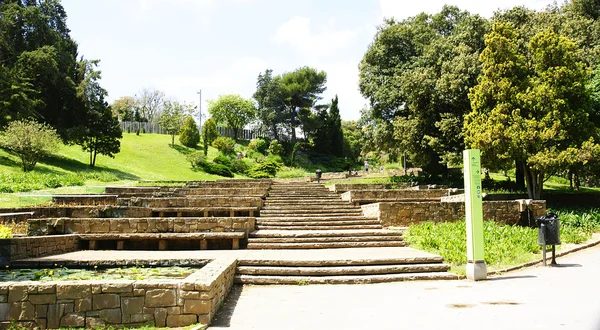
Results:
328 241
309 216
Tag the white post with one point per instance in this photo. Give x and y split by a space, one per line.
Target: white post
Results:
200 112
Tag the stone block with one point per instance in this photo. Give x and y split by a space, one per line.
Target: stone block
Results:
94 323
160 317
192 306
133 305
73 320
4 308
39 299
22 311
111 316
181 320
104 301
73 291
83 305
41 311
17 293
190 294
161 298
140 318
44 288
115 287
174 310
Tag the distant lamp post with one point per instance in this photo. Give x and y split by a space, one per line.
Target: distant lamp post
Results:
200 112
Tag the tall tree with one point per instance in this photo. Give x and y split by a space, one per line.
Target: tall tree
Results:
150 104
36 47
209 134
270 104
532 107
233 111
416 75
335 128
100 132
173 117
301 89
124 108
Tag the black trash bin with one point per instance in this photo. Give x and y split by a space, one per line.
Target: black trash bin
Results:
549 234
318 174
549 229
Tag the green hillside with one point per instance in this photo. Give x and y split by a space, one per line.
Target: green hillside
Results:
143 157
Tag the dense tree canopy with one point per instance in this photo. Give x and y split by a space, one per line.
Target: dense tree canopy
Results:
38 64
233 111
532 107
417 74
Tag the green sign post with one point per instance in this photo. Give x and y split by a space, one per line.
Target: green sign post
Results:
476 268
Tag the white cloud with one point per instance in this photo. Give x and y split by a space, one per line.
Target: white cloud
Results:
403 9
297 33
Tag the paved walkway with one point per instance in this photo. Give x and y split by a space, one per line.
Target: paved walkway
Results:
315 255
566 297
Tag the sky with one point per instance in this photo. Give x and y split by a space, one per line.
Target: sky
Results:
219 47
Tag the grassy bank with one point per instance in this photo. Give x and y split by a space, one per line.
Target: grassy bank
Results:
505 246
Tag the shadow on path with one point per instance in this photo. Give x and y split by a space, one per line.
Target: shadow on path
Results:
511 277
223 317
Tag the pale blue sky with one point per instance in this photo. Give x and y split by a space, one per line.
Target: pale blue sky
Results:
220 46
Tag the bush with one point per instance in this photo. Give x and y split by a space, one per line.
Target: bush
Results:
224 144
223 160
258 145
31 141
198 160
275 148
189 136
218 169
239 166
209 134
267 169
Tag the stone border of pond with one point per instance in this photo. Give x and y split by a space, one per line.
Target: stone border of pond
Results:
99 303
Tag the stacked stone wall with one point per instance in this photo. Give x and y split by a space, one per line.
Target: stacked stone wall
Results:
192 201
94 304
85 199
374 195
12 249
408 213
139 225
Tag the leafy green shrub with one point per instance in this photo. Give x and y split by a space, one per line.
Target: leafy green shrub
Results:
224 144
239 166
258 145
29 181
263 170
53 182
276 159
218 169
189 136
223 160
30 140
209 134
275 148
197 160
5 232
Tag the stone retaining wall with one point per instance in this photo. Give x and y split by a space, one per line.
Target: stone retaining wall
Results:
138 225
192 201
407 213
254 191
12 249
342 188
93 304
375 195
85 199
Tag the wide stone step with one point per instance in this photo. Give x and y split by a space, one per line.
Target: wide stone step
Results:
326 239
310 207
290 218
308 211
348 279
323 245
273 227
323 233
306 201
343 261
318 223
342 270
308 215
